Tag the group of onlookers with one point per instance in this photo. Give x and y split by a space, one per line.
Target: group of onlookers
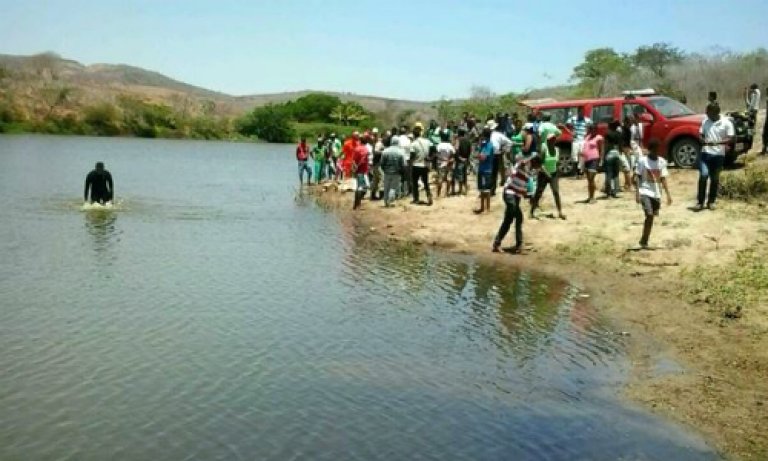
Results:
521 157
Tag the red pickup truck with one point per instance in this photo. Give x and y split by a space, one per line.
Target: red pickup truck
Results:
663 118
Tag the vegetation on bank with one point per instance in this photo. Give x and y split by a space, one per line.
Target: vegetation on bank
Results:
748 184
307 116
732 290
40 99
606 72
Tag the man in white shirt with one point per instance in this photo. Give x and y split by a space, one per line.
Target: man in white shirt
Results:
419 160
716 135
502 146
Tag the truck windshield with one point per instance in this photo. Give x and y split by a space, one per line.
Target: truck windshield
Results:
670 108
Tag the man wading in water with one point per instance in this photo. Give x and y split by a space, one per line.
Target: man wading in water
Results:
99 181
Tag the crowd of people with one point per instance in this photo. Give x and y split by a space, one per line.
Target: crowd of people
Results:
518 157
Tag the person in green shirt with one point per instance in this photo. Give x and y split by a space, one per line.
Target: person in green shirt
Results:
548 174
318 156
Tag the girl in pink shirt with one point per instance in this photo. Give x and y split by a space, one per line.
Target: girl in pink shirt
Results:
592 153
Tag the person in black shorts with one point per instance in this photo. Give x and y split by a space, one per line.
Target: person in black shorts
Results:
99 183
650 177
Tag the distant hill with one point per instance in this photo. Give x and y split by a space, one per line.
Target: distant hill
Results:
100 82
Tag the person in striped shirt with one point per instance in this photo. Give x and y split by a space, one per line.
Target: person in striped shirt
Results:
515 189
578 124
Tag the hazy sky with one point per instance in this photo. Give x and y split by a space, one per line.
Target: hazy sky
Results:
408 49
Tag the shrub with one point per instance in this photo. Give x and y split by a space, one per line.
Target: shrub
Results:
747 184
271 123
102 119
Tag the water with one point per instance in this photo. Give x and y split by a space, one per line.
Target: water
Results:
218 315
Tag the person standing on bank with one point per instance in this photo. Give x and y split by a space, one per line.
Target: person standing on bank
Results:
650 176
302 156
716 135
393 167
765 131
501 145
515 189
99 183
420 148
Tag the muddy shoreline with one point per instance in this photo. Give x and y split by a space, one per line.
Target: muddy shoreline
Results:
721 388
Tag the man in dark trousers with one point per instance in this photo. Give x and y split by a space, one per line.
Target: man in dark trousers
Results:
100 184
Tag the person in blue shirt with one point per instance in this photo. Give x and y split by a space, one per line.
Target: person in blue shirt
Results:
485 171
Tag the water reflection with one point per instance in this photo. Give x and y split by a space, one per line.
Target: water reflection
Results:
525 316
100 225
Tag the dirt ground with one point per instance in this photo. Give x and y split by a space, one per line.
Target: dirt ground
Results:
722 388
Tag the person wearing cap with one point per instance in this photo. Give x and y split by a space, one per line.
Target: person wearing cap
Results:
501 145
420 150
392 166
302 156
318 158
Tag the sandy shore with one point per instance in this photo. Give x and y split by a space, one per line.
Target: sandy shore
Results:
722 388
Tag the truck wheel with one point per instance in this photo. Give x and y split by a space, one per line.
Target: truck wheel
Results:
565 166
684 152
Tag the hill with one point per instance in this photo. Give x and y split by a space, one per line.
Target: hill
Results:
90 84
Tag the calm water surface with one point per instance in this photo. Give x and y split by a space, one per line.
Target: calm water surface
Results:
219 315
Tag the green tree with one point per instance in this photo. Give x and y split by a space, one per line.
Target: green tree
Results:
481 101
314 107
599 65
349 113
657 57
271 123
446 109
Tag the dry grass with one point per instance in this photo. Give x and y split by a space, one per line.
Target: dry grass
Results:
748 184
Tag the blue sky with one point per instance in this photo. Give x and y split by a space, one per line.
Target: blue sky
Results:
407 49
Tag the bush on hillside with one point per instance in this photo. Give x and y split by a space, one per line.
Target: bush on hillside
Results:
314 107
271 123
102 119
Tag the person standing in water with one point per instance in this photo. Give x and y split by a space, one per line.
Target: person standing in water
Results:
99 184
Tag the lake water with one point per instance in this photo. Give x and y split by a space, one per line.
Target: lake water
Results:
217 314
